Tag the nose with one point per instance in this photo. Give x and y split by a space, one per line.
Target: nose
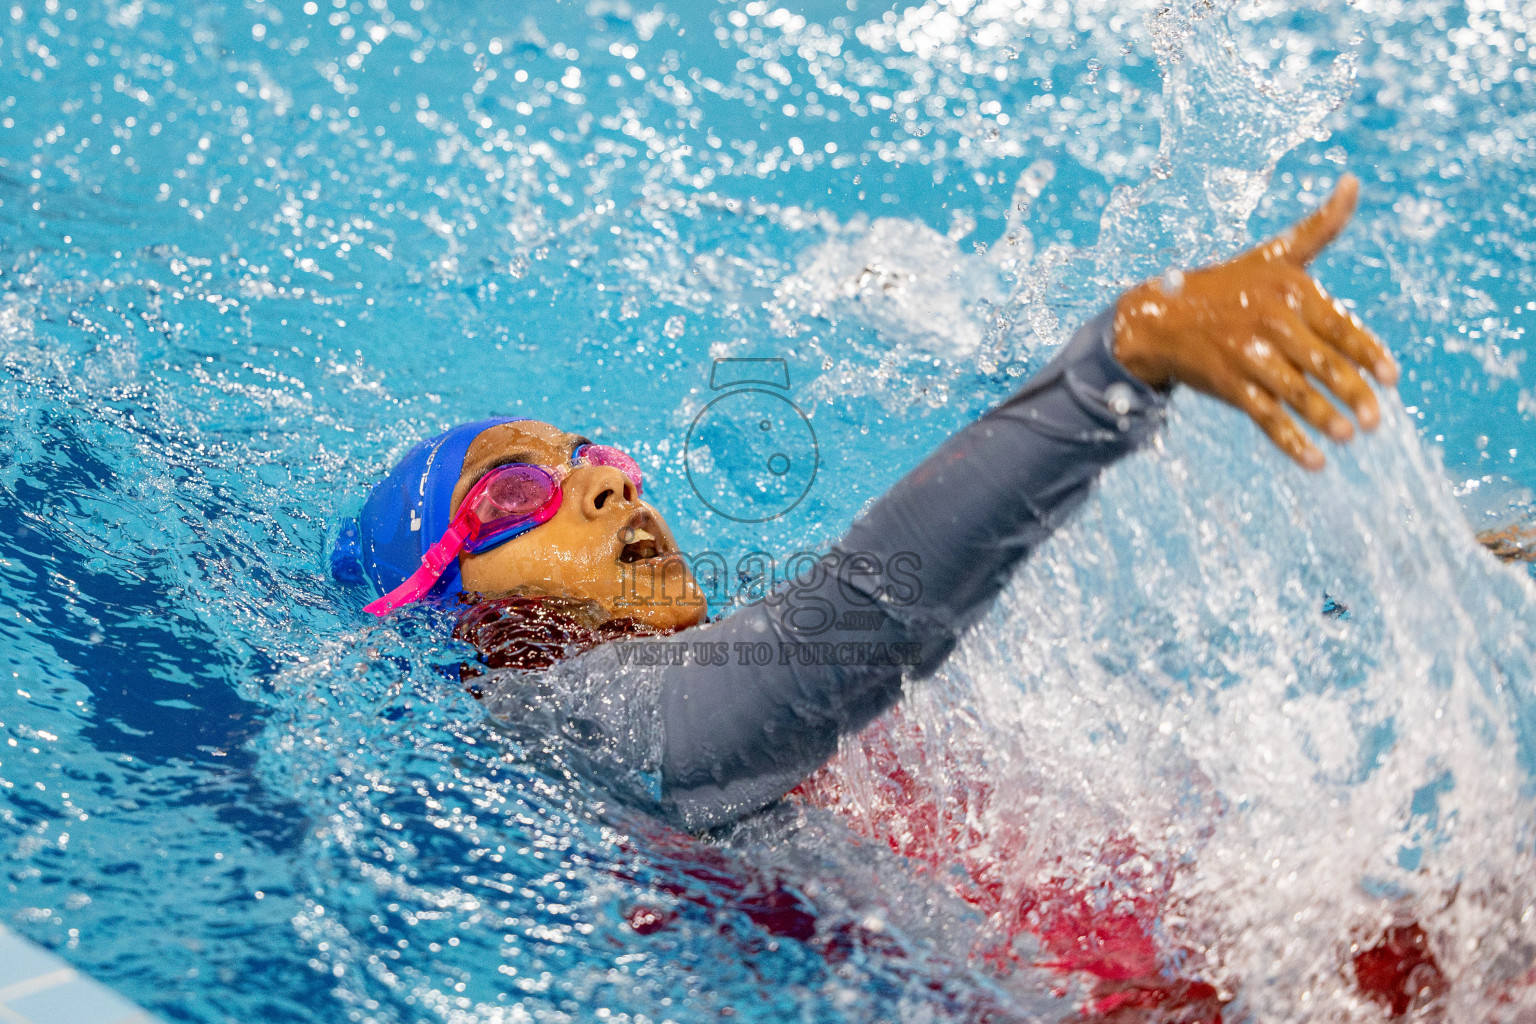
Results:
596 488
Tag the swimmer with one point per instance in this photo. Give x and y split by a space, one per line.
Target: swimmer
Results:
552 542
525 510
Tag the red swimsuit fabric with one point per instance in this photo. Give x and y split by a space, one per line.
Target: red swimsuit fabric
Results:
1108 940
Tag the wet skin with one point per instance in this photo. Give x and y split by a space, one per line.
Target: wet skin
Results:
1253 330
1256 332
604 544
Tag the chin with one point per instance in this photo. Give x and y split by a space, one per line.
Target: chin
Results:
661 594
667 618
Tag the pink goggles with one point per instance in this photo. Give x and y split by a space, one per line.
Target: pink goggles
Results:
505 502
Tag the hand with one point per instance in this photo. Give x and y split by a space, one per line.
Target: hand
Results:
1251 332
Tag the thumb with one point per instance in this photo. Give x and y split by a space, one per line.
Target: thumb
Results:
1309 236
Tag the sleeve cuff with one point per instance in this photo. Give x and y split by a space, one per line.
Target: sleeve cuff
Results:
1100 383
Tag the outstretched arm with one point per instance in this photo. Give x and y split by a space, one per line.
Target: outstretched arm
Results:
893 596
891 599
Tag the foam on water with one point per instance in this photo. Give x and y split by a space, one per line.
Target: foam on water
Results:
251 253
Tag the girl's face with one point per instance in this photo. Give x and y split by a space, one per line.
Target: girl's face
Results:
604 545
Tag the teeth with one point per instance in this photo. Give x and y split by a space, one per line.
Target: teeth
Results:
630 536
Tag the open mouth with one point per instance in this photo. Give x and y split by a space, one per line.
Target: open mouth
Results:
643 539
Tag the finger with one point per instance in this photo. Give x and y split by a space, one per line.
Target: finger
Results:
1309 236
1324 362
1262 408
1333 323
1280 377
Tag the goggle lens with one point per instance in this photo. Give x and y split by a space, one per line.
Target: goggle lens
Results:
517 490
603 455
509 500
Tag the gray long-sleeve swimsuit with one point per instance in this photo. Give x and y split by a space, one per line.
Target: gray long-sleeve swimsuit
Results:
718 741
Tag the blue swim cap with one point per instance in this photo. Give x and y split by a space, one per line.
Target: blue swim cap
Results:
406 513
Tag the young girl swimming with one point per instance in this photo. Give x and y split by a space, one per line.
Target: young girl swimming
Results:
520 507
729 716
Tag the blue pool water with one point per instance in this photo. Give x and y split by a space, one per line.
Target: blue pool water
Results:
250 252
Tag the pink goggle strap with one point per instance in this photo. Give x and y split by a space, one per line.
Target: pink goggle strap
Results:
433 564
